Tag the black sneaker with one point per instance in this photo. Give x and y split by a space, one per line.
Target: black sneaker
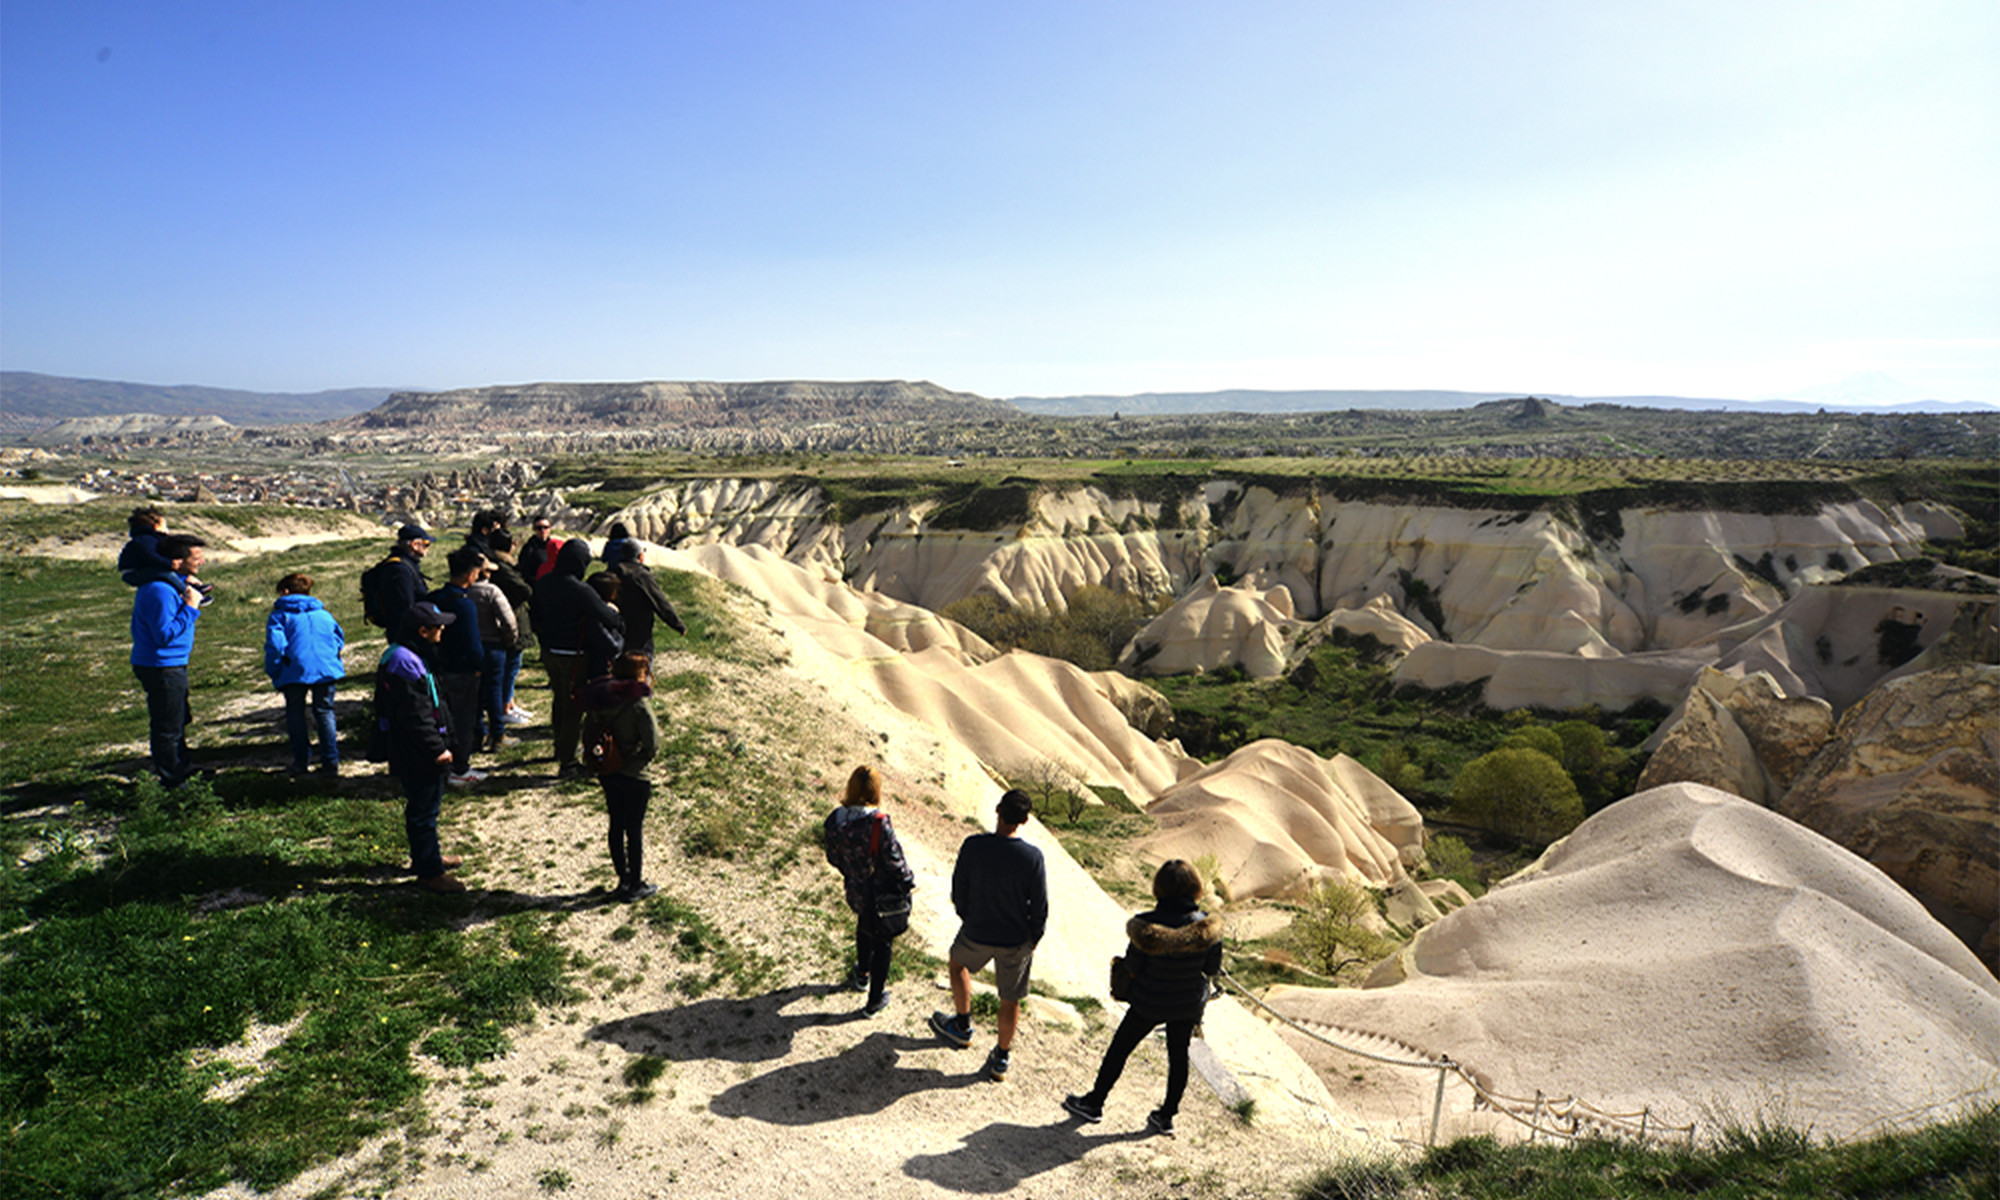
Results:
874 1007
1082 1109
956 1030
638 891
1160 1122
856 981
996 1065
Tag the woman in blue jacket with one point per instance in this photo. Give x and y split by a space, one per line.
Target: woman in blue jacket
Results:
302 645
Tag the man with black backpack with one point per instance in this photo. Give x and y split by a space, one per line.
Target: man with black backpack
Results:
389 587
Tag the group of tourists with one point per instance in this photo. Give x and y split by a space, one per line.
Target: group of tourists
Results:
444 690
999 889
445 685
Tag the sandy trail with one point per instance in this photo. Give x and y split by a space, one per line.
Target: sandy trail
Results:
786 1091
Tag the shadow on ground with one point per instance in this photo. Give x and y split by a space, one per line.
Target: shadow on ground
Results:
1000 1156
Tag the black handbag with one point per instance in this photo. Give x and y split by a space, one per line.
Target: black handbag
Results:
886 895
1121 979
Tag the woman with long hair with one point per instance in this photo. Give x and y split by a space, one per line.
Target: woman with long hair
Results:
1174 950
861 842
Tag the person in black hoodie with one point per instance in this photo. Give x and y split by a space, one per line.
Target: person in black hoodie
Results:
518 591
567 612
461 657
1174 951
418 728
639 596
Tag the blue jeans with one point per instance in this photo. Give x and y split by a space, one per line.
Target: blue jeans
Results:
492 693
422 797
320 697
167 717
513 670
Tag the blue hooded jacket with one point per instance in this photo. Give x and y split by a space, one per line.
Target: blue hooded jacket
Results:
302 642
162 625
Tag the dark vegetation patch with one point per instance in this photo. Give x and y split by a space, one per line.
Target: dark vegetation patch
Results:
1950 1160
1920 574
1090 632
1416 739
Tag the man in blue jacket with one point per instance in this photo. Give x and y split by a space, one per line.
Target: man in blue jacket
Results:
1000 888
164 613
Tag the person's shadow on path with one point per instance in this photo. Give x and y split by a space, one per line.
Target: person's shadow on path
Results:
998 1157
756 1029
866 1078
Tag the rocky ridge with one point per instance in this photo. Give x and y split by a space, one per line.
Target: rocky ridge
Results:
686 405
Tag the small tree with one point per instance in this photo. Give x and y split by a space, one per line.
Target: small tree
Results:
1519 792
1054 787
1331 928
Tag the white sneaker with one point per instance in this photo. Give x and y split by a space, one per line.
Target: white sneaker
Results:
465 780
516 716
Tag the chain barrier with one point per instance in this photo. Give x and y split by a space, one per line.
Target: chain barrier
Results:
1567 1111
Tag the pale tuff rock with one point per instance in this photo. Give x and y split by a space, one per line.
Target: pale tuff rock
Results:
1706 746
1689 952
1534 602
1547 679
1212 627
1377 619
1145 710
1911 782
1785 731
1012 711
1838 642
1740 735
1279 819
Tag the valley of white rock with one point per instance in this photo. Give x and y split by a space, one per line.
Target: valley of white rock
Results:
1686 949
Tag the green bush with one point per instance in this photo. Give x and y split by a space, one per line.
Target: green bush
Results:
1521 793
1090 632
1331 928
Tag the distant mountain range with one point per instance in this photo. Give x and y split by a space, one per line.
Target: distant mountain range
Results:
30 402
1245 401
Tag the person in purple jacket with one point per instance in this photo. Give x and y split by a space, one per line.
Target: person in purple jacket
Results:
418 726
302 645
164 613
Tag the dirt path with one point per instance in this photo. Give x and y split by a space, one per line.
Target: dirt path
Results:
785 1091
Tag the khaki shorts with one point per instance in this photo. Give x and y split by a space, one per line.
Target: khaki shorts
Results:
1010 964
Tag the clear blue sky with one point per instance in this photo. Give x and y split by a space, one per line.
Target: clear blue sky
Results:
1739 199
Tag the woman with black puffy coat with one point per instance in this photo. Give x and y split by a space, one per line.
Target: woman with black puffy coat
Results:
1174 951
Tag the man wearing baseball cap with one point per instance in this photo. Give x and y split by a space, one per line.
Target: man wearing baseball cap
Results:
392 585
418 728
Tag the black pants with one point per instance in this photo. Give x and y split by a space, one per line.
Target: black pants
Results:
625 798
1133 1030
460 692
167 717
871 954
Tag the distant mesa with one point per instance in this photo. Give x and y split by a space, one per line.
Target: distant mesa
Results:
686 404
130 425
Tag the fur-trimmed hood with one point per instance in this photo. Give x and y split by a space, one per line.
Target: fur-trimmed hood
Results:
604 694
1195 937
